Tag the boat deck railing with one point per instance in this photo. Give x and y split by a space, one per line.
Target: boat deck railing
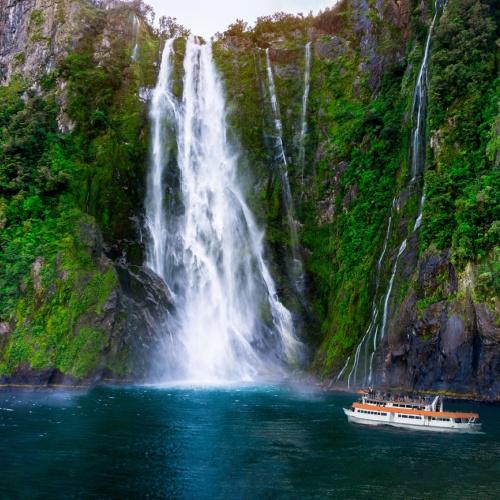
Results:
385 398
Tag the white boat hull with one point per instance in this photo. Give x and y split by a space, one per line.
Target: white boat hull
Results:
424 424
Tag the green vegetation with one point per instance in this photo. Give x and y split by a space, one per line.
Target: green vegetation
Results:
73 151
359 123
55 184
59 297
47 277
111 124
34 172
463 178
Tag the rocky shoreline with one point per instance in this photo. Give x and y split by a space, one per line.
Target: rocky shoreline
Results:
44 380
451 395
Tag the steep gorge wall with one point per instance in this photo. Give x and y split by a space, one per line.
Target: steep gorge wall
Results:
75 302
75 297
442 330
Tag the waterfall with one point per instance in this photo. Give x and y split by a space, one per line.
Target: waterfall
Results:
278 126
339 376
418 222
419 104
375 333
371 332
135 49
297 270
228 321
305 101
419 107
417 157
163 110
385 316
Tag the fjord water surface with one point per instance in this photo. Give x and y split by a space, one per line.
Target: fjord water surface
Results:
267 442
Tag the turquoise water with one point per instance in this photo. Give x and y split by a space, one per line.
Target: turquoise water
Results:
248 443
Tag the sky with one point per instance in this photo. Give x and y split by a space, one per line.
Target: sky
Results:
207 17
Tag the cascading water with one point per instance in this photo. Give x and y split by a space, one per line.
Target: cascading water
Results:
377 332
135 49
297 271
370 335
305 101
228 320
419 108
419 104
163 113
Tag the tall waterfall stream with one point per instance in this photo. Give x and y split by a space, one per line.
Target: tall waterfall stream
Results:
361 372
228 322
297 270
305 101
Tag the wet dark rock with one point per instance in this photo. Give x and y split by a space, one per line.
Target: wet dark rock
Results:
400 330
26 376
454 335
132 318
331 48
451 345
146 303
436 271
487 349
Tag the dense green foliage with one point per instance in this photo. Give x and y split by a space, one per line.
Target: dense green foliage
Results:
50 329
73 151
463 179
56 166
47 277
34 170
110 122
358 147
367 151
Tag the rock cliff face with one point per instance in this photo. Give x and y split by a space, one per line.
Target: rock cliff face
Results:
442 336
119 325
37 34
76 304
442 309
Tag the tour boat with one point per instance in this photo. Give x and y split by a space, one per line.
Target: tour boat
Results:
412 413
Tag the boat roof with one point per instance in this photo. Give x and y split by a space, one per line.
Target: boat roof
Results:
411 411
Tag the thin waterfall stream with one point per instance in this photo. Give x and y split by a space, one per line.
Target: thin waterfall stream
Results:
162 113
375 331
298 268
229 324
305 101
135 49
371 332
